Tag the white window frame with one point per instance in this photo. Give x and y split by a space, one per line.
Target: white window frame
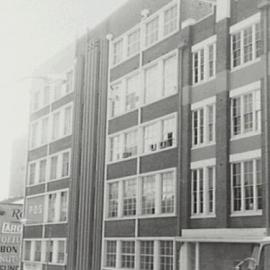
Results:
204 165
204 106
239 28
198 48
241 158
241 92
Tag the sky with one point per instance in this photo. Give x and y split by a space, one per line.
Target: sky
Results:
32 31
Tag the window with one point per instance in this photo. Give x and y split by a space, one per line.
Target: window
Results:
44 130
132 91
42 170
32 174
46 95
151 83
34 135
128 254
146 255
203 191
115 148
61 252
246 45
54 168
35 100
56 126
246 113
69 82
65 164
170 76
37 250
117 51
133 43
113 200
130 144
49 251
63 205
246 186
111 253
167 192
51 207
152 32
159 135
203 125
204 60
129 197
170 20
116 99
27 250
166 255
148 195
67 120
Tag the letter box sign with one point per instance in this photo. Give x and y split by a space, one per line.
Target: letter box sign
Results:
34 210
10 236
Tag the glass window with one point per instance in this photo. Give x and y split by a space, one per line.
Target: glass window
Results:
65 164
111 253
151 137
152 85
133 43
148 195
58 90
117 52
35 100
170 20
113 200
67 120
166 255
116 100
54 168
130 144
63 205
61 251
236 49
37 251
51 207
69 82
27 250
56 126
42 170
146 255
34 135
127 254
151 32
115 148
170 76
32 173
132 90
168 132
44 130
49 251
129 197
167 192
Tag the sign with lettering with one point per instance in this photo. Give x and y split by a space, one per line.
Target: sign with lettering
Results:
35 210
10 236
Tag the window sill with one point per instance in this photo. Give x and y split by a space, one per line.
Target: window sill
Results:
247 213
246 64
39 109
141 217
245 135
159 99
60 138
121 114
47 223
48 181
158 151
203 216
121 160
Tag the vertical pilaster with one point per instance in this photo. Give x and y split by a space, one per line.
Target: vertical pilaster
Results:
222 118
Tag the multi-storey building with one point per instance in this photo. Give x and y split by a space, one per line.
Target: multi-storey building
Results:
170 147
48 164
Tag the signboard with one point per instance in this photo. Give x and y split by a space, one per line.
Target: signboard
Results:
10 236
34 210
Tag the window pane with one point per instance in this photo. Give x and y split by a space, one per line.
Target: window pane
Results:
69 82
68 121
194 191
115 148
248 185
27 250
54 165
202 65
211 60
44 130
210 111
49 251
166 255
146 255
65 164
258 41
42 170
237 195
168 132
115 100
236 116
32 173
170 76
61 252
34 135
151 32
259 189
113 200
196 67
130 148
129 197
51 207
248 113
170 20
133 46
152 86
132 97
117 52
63 205
127 254
111 253
167 192
37 251
151 137
248 45
211 189
56 126
236 47
148 195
